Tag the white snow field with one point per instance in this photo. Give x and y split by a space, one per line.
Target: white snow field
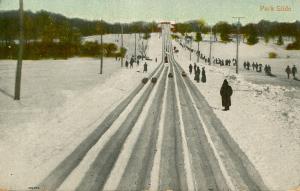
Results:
256 53
128 41
265 115
62 102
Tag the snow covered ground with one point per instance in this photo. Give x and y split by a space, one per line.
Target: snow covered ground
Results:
256 53
128 41
264 118
62 102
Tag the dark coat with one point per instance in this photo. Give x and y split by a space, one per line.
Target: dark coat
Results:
226 92
294 70
191 68
197 75
145 67
203 77
288 70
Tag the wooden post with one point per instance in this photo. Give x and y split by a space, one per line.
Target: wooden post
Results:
20 54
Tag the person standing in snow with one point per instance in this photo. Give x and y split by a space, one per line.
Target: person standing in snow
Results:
288 71
226 93
131 65
197 74
131 62
126 63
203 77
259 67
294 71
256 66
195 68
145 67
190 68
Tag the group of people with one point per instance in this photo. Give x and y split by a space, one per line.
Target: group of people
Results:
132 60
224 62
258 67
290 71
197 73
219 61
268 70
255 66
130 63
226 90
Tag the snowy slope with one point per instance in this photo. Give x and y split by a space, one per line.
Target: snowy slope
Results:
62 102
264 120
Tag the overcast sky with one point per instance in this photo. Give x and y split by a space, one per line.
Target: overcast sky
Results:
176 10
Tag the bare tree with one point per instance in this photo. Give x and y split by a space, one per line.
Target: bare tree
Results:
143 49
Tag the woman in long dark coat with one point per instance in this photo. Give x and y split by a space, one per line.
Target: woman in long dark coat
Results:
190 68
226 92
197 74
203 77
195 68
145 67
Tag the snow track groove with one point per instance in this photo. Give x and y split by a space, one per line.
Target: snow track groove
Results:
172 167
154 177
62 171
243 175
147 121
163 136
205 160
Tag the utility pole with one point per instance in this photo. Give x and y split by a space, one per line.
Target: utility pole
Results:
122 45
20 54
198 54
135 46
100 29
101 54
237 43
210 45
191 49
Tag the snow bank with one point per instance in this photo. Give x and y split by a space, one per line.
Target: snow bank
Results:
264 120
256 53
62 102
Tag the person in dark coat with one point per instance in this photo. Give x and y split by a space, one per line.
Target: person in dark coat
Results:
190 68
294 71
131 62
288 71
195 68
259 67
145 67
203 76
197 75
226 92
248 65
131 65
126 63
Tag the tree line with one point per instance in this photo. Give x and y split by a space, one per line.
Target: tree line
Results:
50 35
251 31
42 23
